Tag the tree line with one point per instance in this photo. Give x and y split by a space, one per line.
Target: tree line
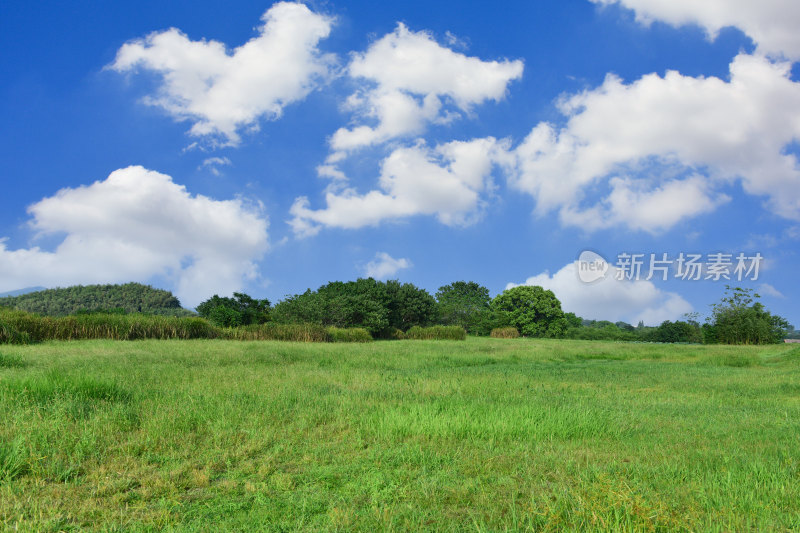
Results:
389 309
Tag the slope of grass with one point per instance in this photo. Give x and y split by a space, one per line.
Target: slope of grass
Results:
482 435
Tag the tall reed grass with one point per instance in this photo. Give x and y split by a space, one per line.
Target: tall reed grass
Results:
21 327
505 333
277 332
451 333
348 335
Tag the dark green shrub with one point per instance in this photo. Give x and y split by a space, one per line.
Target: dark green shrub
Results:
452 333
505 333
348 335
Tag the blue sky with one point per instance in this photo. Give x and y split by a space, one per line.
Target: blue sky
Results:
207 147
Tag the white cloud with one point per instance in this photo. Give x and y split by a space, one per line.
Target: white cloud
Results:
611 299
212 164
772 24
769 290
410 80
384 266
222 92
446 181
135 225
663 147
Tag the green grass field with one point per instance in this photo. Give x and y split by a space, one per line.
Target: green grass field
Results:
481 435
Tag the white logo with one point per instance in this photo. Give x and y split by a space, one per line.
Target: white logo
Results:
591 267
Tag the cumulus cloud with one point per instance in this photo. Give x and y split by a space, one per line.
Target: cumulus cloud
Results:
410 80
135 225
384 266
221 92
659 150
610 298
772 24
446 181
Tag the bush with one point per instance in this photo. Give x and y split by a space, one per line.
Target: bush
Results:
451 333
348 335
505 333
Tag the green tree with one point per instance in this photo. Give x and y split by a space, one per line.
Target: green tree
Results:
677 331
609 332
466 304
409 306
739 319
380 307
534 311
241 310
573 320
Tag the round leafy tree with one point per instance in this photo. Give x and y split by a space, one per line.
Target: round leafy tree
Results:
534 311
465 304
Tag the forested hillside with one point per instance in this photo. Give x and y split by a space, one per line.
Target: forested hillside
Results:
132 297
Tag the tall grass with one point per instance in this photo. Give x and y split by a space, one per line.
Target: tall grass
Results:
11 361
21 327
10 335
277 332
478 435
13 460
348 335
452 333
36 328
43 389
505 333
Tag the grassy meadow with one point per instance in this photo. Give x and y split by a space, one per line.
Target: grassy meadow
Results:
477 435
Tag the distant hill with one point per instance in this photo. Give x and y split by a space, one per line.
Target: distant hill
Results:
20 292
132 297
